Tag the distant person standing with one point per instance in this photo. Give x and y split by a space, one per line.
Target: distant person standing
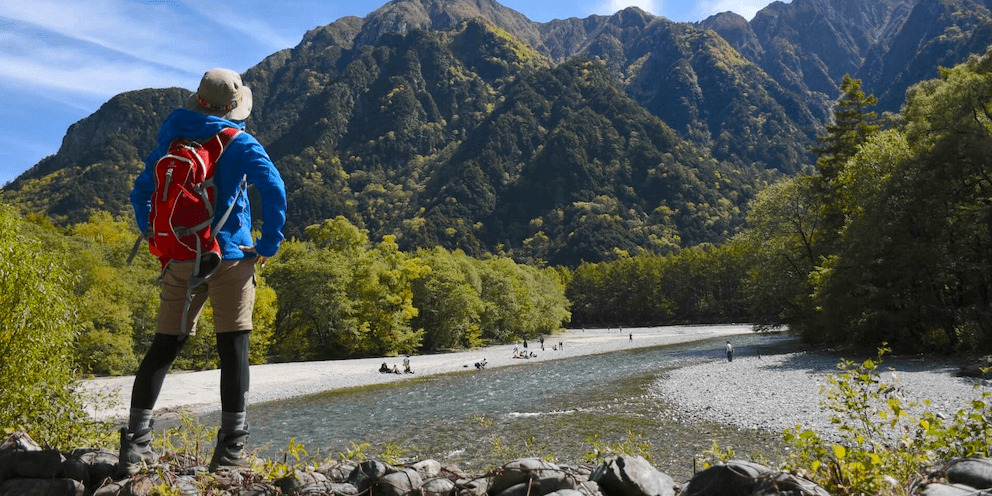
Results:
631 336
730 352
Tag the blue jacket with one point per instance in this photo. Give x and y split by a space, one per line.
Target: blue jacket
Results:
244 155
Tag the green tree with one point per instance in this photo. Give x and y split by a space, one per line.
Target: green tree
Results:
38 318
448 300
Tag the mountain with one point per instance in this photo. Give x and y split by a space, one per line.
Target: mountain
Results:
462 123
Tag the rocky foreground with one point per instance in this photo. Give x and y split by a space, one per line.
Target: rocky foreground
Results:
28 470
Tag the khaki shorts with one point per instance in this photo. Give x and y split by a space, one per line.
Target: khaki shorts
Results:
231 290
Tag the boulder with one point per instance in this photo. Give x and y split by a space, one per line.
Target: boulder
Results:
336 471
520 471
784 483
48 487
368 472
952 490
304 482
19 441
45 464
428 469
567 492
438 486
400 483
344 489
472 487
111 488
632 476
974 472
257 490
100 464
734 478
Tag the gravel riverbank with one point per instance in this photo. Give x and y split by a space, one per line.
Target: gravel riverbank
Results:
780 390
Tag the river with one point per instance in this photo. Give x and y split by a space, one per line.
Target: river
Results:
563 410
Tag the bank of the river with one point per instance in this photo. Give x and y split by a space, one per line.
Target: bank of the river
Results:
198 391
775 391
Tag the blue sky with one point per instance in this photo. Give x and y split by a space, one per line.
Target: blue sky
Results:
61 59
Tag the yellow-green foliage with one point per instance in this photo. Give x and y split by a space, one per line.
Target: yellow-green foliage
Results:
884 446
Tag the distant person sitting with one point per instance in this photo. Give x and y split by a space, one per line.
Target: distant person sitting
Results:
384 368
396 369
480 365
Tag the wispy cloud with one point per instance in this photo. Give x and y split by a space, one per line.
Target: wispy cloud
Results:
239 21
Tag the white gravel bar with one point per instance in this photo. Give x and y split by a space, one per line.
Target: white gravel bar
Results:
774 392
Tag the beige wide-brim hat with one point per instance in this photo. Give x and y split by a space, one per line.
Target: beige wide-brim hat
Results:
222 93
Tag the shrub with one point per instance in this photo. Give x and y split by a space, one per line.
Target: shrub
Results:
886 442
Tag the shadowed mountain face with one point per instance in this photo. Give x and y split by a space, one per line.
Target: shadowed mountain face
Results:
464 124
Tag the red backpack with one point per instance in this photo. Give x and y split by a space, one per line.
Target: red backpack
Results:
184 202
181 223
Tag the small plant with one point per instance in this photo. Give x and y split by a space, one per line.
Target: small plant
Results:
716 455
883 447
187 443
356 453
271 469
633 446
391 453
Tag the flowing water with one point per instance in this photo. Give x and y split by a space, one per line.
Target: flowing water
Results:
565 409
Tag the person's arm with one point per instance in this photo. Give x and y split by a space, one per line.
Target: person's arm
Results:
144 187
262 174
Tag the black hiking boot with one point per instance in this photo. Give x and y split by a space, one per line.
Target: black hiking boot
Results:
136 451
230 451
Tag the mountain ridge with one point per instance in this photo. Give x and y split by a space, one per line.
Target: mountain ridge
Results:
380 118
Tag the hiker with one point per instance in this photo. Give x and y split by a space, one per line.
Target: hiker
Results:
406 365
730 352
221 101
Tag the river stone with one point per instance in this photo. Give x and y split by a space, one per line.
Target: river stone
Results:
256 490
366 473
141 485
428 469
400 483
453 473
337 471
974 472
786 484
112 488
566 492
100 463
472 487
19 441
47 487
344 489
303 482
952 490
734 478
45 464
632 476
438 486
553 482
518 471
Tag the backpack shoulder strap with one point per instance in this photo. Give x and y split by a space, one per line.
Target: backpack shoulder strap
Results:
217 143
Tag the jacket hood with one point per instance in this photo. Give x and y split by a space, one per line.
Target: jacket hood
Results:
193 125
